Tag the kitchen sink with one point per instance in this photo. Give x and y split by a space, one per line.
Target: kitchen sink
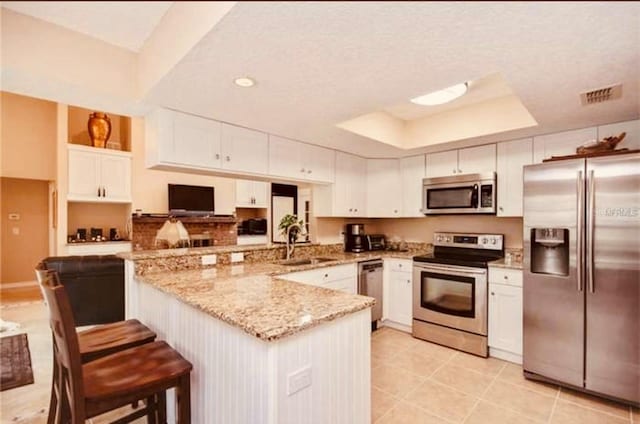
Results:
305 261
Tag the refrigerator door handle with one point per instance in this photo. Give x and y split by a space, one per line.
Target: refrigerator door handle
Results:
591 218
580 231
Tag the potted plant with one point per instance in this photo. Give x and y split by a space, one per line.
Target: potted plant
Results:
287 221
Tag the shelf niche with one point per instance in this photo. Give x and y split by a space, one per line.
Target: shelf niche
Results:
79 134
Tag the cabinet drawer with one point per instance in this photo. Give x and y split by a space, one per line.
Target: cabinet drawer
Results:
399 265
505 276
339 272
347 285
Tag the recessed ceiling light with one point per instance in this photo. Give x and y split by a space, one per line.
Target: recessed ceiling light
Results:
244 82
441 96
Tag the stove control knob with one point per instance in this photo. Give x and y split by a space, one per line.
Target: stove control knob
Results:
439 238
494 240
448 239
485 240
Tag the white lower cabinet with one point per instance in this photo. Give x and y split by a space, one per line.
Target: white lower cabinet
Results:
397 303
341 277
505 314
107 248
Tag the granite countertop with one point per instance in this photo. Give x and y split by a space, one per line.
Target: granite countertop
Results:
512 260
257 299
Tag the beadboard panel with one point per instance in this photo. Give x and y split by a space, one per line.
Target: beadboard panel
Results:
238 378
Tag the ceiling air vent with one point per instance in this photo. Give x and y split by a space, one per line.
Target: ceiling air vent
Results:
600 95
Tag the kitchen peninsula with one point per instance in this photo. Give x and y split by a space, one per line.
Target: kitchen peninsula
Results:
264 349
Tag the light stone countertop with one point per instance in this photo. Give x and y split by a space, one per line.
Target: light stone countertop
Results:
252 296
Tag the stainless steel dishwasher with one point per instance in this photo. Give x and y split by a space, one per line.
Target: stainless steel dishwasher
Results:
370 284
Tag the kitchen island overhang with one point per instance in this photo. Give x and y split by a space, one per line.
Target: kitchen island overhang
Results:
264 349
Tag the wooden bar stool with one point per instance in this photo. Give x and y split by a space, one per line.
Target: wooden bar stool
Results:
139 373
99 341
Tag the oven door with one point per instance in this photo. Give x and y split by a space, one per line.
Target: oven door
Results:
452 296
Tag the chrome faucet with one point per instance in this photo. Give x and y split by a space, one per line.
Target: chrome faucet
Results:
293 245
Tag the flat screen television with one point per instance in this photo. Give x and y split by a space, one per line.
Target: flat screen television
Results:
188 200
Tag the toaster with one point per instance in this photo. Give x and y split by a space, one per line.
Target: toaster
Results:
375 242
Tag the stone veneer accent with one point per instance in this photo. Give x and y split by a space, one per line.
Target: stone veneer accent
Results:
222 230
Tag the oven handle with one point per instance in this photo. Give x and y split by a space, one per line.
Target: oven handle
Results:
451 270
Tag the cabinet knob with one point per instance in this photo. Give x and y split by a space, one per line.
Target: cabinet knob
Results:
399 265
326 275
302 170
99 192
493 294
217 155
506 277
350 209
308 171
355 210
459 171
395 211
228 159
501 208
454 171
104 192
409 281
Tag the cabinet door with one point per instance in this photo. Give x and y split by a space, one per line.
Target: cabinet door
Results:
442 164
561 144
318 163
505 318
84 175
251 194
512 157
349 189
284 158
115 176
384 193
244 150
196 141
400 297
347 285
476 160
412 173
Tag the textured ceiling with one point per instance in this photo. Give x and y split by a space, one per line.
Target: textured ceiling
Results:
320 63
124 24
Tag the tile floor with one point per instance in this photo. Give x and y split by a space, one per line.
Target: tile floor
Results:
412 382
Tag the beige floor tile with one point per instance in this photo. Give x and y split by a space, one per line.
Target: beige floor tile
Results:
524 401
416 363
570 413
512 373
442 401
433 350
376 360
594 402
393 380
470 382
485 413
404 413
489 366
381 403
386 349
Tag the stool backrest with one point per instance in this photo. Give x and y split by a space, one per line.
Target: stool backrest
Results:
65 338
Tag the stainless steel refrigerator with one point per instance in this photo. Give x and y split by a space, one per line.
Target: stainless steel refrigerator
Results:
582 274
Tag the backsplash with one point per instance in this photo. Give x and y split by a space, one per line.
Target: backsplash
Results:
144 231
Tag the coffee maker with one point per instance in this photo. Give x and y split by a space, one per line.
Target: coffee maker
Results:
355 239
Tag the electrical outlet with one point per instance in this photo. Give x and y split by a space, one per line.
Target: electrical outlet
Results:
237 257
209 259
298 380
341 236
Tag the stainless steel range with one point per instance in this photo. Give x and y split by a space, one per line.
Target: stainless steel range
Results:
450 290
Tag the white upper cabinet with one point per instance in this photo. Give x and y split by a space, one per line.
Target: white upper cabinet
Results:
319 163
244 150
252 194
561 144
412 171
196 141
347 196
442 164
472 160
384 188
512 157
631 140
299 161
98 175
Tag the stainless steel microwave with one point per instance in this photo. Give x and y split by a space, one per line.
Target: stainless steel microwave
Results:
460 194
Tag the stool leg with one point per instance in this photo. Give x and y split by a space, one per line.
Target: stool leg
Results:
162 407
151 410
53 400
183 395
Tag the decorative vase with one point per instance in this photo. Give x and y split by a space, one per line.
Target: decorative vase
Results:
99 127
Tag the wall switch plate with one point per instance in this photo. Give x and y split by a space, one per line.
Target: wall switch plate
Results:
237 257
209 259
298 380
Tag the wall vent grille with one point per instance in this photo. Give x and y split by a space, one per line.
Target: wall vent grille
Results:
600 95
